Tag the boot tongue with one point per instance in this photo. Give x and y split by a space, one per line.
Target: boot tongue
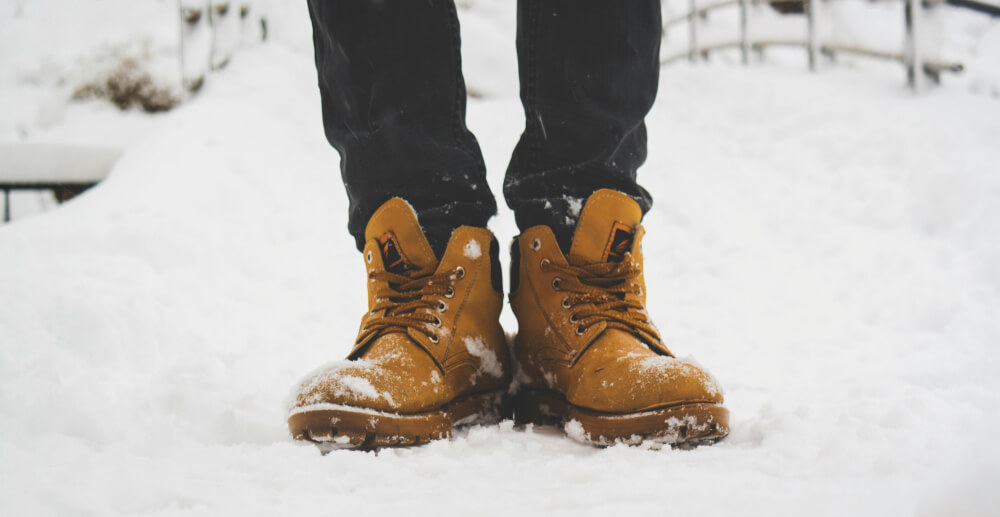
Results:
402 243
606 228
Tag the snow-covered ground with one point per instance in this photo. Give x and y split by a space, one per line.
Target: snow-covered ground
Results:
827 245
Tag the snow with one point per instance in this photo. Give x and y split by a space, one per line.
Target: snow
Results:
824 243
48 163
359 386
574 430
574 205
489 363
472 250
326 406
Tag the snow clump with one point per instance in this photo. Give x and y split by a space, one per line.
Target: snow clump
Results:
488 361
472 250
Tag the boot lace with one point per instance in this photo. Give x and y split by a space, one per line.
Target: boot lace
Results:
608 291
399 301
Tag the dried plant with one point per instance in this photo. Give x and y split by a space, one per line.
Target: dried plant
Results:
129 85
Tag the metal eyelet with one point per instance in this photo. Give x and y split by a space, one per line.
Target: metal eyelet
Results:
442 306
434 339
437 321
565 303
572 318
555 283
460 272
450 293
368 256
580 331
638 292
536 244
544 264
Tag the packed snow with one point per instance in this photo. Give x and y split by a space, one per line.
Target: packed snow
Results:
825 244
472 250
489 363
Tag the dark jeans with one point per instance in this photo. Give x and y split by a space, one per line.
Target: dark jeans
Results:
394 97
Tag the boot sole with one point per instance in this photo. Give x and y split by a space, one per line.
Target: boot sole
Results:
683 425
333 426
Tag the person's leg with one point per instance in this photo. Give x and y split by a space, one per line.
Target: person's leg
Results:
430 353
589 71
393 100
586 349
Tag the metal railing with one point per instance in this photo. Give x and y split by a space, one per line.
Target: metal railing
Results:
210 33
64 169
917 66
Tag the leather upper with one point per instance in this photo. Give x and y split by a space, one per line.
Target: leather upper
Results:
450 345
614 360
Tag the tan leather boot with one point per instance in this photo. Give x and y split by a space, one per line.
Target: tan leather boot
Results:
587 353
430 353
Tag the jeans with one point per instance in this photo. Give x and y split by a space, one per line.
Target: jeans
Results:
393 100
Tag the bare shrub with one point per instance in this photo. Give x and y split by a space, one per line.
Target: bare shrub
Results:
127 86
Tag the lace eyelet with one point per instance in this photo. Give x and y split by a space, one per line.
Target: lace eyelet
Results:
580 331
442 306
460 272
536 244
434 339
565 303
368 256
437 321
555 283
638 292
450 293
573 318
544 264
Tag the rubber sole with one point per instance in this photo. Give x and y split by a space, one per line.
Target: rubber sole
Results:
682 426
332 426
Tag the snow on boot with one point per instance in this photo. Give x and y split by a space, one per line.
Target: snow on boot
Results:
588 355
430 353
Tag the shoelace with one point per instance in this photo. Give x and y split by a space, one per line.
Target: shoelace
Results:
401 299
610 288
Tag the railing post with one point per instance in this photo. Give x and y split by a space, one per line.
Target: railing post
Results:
693 32
812 6
745 31
213 23
914 61
180 41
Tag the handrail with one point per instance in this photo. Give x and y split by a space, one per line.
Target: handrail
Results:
916 66
826 49
213 29
703 10
65 169
982 7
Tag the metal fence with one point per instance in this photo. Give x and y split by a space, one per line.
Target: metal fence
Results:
210 33
918 68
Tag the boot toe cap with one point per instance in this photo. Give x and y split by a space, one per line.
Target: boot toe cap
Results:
371 385
632 384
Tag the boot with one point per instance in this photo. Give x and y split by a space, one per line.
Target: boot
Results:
587 354
430 353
